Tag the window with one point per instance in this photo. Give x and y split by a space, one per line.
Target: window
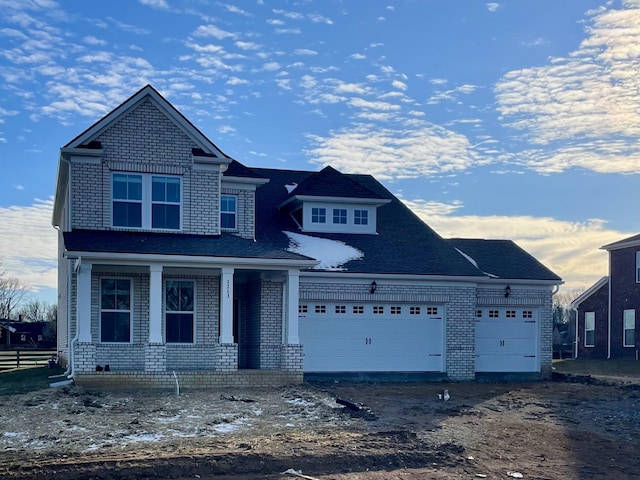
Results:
318 215
434 311
414 310
629 339
378 310
494 313
127 200
341 309
340 216
165 203
396 310
589 329
638 267
179 310
229 212
358 309
360 217
511 314
23 337
321 309
303 308
115 310
527 314
146 201
479 313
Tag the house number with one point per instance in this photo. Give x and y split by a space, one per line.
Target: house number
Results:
228 285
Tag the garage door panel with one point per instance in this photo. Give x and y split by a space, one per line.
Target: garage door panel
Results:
368 342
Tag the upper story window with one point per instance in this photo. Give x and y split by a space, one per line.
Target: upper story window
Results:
340 216
360 217
146 201
318 215
229 212
638 267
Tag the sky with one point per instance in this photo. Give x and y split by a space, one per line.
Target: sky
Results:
513 120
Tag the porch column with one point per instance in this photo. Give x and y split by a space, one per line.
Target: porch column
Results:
293 292
83 302
226 305
155 303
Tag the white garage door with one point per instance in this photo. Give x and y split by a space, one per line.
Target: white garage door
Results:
507 340
363 337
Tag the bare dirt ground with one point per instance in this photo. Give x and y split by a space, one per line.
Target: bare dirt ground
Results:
547 430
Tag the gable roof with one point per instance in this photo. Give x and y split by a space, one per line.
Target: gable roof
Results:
503 259
633 241
207 146
589 291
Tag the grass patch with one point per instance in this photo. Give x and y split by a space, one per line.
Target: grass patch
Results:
623 368
27 380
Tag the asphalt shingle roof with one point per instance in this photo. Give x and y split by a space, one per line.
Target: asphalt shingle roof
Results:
331 183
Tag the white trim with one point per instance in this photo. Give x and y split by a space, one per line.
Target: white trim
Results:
249 181
624 328
228 212
593 315
83 303
329 199
226 305
155 303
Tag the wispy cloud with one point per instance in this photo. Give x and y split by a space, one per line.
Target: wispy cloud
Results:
161 4
492 7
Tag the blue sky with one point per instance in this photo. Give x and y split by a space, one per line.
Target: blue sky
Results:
514 119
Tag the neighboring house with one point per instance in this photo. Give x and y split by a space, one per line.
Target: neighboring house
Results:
607 312
179 264
19 334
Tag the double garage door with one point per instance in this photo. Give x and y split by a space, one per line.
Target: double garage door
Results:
507 339
371 337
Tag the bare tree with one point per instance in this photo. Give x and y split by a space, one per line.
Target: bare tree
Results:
13 293
38 311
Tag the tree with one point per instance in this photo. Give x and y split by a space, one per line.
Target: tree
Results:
38 311
13 293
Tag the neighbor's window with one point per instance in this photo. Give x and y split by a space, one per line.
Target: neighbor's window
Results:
146 201
629 339
229 212
589 329
115 310
127 200
340 216
318 215
179 306
360 217
165 203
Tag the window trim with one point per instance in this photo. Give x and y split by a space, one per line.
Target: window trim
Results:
341 215
233 213
632 317
361 217
592 315
147 202
319 216
131 310
193 312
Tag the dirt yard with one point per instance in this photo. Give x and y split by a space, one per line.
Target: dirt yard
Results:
551 430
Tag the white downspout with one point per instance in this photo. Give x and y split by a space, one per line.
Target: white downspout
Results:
609 312
575 342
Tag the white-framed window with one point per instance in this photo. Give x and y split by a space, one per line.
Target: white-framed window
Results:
360 217
434 311
320 309
340 216
396 310
146 201
115 310
303 308
341 309
629 332
589 329
638 266
494 313
414 310
510 314
179 311
378 309
228 212
318 215
358 309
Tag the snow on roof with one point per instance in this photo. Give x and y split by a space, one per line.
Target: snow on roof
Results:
331 254
291 187
475 264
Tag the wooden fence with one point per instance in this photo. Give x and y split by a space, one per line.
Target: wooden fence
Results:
24 358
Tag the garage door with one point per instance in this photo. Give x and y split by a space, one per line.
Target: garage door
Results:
507 340
362 337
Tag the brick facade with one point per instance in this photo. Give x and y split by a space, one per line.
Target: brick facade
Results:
598 303
625 295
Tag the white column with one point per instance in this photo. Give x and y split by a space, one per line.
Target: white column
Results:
155 303
83 306
293 292
226 305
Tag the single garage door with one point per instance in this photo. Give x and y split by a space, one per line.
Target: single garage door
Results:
371 337
507 340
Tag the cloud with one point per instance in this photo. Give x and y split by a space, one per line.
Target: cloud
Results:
580 110
304 51
492 7
358 56
234 9
212 31
399 85
29 243
570 249
161 4
19 187
91 40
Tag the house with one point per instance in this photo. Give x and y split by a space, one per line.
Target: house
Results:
607 312
18 334
180 264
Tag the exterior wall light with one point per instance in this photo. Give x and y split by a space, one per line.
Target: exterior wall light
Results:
507 291
374 285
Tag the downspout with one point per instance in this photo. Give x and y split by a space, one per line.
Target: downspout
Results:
609 312
69 372
553 292
575 341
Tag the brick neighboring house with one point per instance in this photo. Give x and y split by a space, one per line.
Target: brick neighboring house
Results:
175 258
607 312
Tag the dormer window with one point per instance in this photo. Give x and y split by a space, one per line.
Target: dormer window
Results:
360 217
318 215
340 216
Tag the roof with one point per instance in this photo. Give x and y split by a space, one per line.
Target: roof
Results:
404 244
589 291
503 259
632 241
153 243
236 169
